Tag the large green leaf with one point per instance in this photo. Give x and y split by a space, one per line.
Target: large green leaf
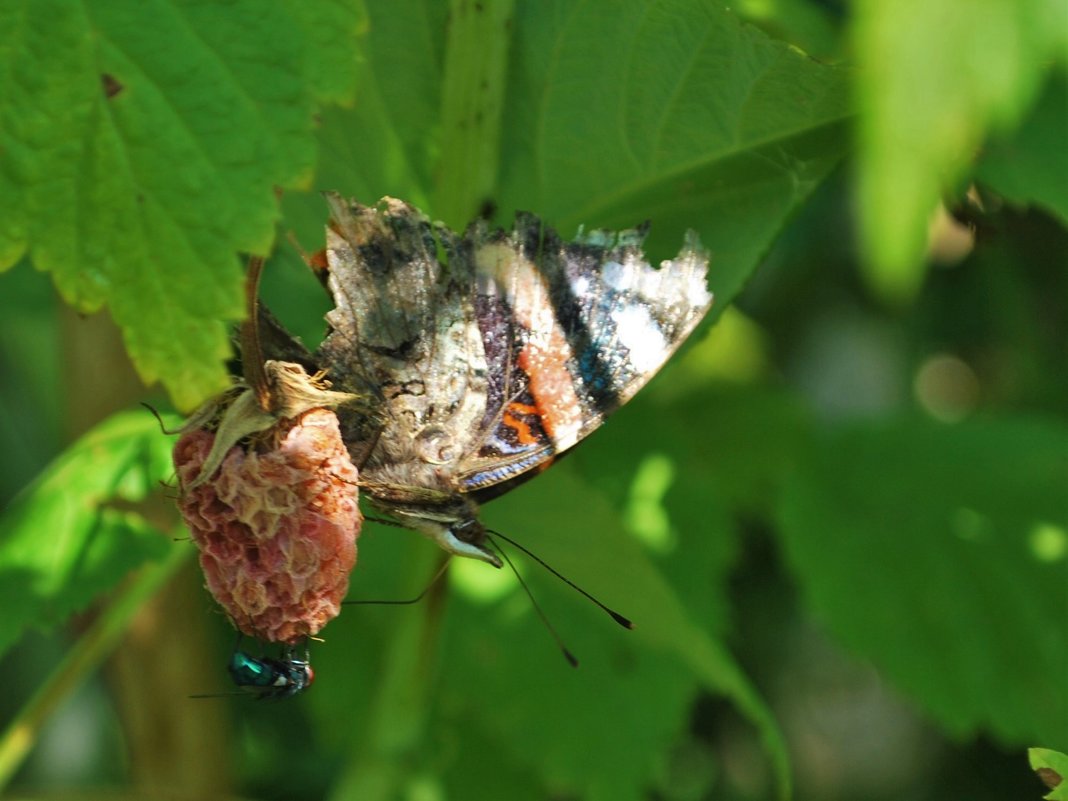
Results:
73 533
941 554
482 767
936 76
502 670
736 442
142 142
1031 166
670 111
613 113
386 143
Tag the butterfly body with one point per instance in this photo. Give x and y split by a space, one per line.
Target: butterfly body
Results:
487 354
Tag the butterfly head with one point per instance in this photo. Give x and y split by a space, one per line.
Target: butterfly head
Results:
453 525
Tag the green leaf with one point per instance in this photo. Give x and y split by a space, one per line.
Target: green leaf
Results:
672 112
332 29
936 76
387 143
680 458
1030 167
142 143
749 439
32 412
811 26
481 767
614 113
593 732
642 681
939 553
73 533
1052 768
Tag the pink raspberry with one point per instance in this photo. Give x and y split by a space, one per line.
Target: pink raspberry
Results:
276 525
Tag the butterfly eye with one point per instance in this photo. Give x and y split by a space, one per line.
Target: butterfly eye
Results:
469 530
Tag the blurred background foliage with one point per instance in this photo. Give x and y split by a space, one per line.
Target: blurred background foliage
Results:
838 517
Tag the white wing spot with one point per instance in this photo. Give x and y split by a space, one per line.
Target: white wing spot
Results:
641 336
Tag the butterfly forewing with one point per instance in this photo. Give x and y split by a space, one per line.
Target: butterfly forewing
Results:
591 323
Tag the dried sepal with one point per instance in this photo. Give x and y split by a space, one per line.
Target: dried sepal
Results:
238 413
292 391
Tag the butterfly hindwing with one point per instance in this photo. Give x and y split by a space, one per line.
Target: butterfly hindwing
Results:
404 326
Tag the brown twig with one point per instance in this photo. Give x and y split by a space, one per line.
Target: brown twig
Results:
251 351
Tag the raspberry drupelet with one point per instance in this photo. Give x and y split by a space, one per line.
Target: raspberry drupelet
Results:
275 521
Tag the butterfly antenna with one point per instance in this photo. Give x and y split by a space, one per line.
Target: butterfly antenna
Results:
415 600
623 621
570 657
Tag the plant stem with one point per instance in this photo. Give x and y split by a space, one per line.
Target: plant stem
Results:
391 740
251 352
86 655
476 66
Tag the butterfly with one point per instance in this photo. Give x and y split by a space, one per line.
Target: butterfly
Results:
484 356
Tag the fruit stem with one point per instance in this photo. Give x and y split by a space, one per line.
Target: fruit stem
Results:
251 351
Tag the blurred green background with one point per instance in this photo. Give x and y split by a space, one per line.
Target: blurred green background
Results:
839 517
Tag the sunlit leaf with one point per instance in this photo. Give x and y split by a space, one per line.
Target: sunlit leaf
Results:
810 26
385 144
672 112
936 76
75 532
1052 768
142 144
